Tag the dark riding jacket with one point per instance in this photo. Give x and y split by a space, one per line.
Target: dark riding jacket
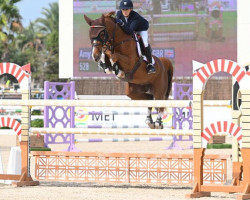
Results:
134 23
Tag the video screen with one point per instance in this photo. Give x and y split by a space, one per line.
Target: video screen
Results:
180 30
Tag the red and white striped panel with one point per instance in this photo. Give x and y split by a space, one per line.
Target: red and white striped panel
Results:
220 65
14 70
221 127
11 123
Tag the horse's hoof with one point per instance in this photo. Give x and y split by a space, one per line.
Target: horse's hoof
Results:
150 123
151 126
121 74
107 71
158 126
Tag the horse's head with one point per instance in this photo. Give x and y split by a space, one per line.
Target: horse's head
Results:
98 34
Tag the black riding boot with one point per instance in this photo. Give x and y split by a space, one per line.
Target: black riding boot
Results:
150 67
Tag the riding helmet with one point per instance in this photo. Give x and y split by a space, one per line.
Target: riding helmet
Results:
126 4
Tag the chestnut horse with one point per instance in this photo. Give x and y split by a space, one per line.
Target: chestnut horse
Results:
111 44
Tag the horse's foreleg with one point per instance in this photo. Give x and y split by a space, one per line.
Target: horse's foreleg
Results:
102 63
115 67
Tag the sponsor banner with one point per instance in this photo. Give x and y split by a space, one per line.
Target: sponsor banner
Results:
106 116
110 119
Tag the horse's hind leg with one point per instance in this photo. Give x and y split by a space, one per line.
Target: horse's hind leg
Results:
138 92
158 122
149 120
159 94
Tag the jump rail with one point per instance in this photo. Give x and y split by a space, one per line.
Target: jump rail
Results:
110 103
100 103
112 113
118 131
112 126
149 139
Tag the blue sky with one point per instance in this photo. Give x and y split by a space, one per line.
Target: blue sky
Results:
31 9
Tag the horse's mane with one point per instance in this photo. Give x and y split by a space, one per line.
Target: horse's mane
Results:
110 15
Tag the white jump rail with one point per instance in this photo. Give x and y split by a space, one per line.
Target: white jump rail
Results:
113 103
218 103
107 131
100 103
101 140
118 131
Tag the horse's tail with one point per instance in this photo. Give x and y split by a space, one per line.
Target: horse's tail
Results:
170 70
170 78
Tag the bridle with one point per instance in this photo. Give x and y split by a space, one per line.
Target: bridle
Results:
98 38
107 43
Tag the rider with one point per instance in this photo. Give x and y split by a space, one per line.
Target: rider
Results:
131 22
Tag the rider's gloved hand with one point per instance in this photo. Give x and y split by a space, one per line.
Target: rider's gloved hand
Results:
120 22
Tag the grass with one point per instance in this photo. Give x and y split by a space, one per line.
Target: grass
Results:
219 146
40 149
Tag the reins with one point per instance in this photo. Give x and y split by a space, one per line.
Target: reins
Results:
119 43
109 43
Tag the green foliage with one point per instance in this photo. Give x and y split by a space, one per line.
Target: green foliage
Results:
37 44
36 112
52 40
4 127
37 123
3 36
49 26
10 23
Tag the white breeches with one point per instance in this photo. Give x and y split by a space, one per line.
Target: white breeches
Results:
144 35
